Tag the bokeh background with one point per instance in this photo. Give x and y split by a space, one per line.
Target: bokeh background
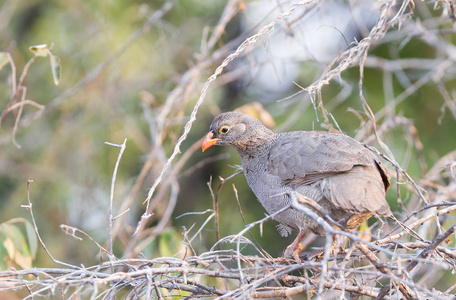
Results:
135 69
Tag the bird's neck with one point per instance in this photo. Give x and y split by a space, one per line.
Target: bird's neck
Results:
259 142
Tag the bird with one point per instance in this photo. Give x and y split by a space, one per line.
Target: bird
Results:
341 175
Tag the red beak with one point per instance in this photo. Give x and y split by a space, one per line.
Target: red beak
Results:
209 141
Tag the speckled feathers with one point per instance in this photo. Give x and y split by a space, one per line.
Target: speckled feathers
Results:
336 171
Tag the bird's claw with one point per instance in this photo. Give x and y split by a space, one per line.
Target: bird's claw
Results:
292 251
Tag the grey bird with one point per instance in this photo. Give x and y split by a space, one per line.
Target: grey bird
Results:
335 171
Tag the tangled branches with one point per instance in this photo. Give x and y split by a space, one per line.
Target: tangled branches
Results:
394 266
387 268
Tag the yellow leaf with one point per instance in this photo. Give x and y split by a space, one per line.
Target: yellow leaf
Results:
9 246
40 50
3 59
24 262
256 109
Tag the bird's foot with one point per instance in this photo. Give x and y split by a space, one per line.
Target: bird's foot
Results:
292 251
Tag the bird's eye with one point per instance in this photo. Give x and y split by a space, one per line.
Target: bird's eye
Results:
224 129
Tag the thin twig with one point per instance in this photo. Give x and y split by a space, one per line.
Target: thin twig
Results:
29 207
113 183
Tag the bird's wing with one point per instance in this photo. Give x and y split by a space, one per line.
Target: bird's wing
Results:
303 158
359 191
312 156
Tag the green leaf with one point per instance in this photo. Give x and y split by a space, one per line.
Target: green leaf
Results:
17 246
32 238
3 59
3 257
56 68
40 50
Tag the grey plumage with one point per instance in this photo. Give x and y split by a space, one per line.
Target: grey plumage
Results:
336 171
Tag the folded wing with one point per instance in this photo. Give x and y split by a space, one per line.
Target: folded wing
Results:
349 175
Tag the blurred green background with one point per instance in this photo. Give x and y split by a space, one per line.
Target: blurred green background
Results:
62 149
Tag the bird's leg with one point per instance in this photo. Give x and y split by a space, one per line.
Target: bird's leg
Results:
336 245
294 248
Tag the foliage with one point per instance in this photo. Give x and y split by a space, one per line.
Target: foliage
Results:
17 249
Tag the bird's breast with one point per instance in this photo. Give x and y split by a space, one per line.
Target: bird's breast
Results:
267 188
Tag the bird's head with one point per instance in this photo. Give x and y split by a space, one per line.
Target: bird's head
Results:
236 129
